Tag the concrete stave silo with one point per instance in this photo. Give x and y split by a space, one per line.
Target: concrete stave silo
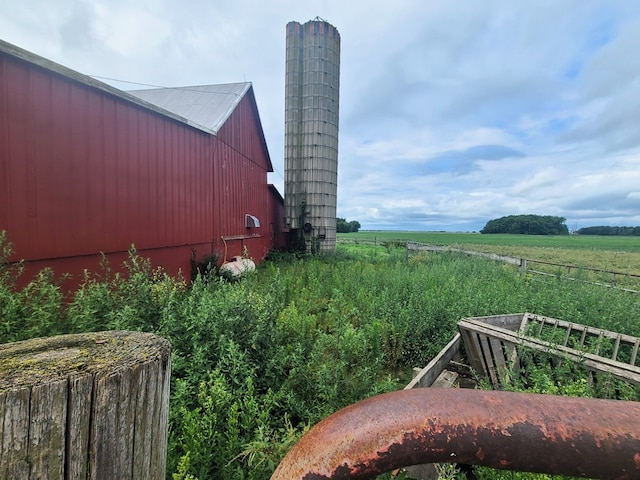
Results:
311 131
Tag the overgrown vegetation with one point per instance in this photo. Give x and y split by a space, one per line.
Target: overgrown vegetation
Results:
606 253
256 362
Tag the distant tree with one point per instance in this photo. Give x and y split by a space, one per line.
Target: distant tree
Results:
342 226
527 225
606 230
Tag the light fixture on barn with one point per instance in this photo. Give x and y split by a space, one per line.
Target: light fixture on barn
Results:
251 221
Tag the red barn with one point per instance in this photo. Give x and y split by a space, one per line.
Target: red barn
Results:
86 168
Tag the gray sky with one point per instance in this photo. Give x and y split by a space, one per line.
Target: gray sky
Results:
452 112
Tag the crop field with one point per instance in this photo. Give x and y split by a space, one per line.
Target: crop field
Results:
565 242
606 253
257 362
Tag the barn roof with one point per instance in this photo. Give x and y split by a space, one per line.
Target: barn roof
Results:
29 57
205 105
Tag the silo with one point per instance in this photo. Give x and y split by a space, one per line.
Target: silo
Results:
312 87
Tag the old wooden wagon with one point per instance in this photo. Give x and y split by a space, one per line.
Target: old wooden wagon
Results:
487 348
420 426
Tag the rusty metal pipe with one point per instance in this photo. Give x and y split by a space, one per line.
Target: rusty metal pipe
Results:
504 430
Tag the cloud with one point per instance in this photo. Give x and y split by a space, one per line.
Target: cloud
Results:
130 31
451 112
76 30
463 162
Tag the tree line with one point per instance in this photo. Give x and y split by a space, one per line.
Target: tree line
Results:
342 226
528 225
606 230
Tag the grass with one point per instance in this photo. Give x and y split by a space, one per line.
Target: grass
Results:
608 253
256 362
565 242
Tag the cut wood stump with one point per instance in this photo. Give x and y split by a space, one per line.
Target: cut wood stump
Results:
88 406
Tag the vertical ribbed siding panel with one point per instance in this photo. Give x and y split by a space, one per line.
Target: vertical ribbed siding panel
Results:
177 220
108 175
129 168
145 175
83 170
96 190
191 189
164 183
41 177
186 165
4 147
155 208
218 185
208 188
122 192
18 225
176 187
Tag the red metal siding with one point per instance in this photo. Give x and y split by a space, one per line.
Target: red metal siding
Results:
242 130
81 170
241 183
279 233
4 147
85 172
241 188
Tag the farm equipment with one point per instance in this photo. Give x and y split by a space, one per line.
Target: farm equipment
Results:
426 423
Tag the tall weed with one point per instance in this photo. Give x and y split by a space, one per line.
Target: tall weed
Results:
256 362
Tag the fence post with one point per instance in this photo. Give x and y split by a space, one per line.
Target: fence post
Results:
88 406
523 265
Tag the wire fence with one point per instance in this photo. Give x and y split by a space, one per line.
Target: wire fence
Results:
628 282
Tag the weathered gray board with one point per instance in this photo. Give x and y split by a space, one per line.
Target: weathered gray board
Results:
490 346
432 371
490 343
89 406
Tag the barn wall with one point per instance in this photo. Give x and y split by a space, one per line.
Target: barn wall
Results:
242 130
279 234
242 167
83 172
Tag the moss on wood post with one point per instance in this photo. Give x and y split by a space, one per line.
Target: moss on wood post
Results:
89 406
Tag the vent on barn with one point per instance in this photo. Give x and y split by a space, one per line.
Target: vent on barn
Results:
311 131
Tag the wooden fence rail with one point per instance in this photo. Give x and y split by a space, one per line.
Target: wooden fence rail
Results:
524 263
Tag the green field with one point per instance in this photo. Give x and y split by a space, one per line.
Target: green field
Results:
619 254
569 242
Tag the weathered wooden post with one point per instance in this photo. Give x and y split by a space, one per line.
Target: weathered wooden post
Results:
523 265
88 406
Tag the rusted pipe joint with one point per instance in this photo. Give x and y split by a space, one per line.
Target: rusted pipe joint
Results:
504 430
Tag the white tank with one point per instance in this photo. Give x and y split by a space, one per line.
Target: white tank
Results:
312 88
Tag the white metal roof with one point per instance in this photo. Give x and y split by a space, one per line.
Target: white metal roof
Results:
25 55
206 105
